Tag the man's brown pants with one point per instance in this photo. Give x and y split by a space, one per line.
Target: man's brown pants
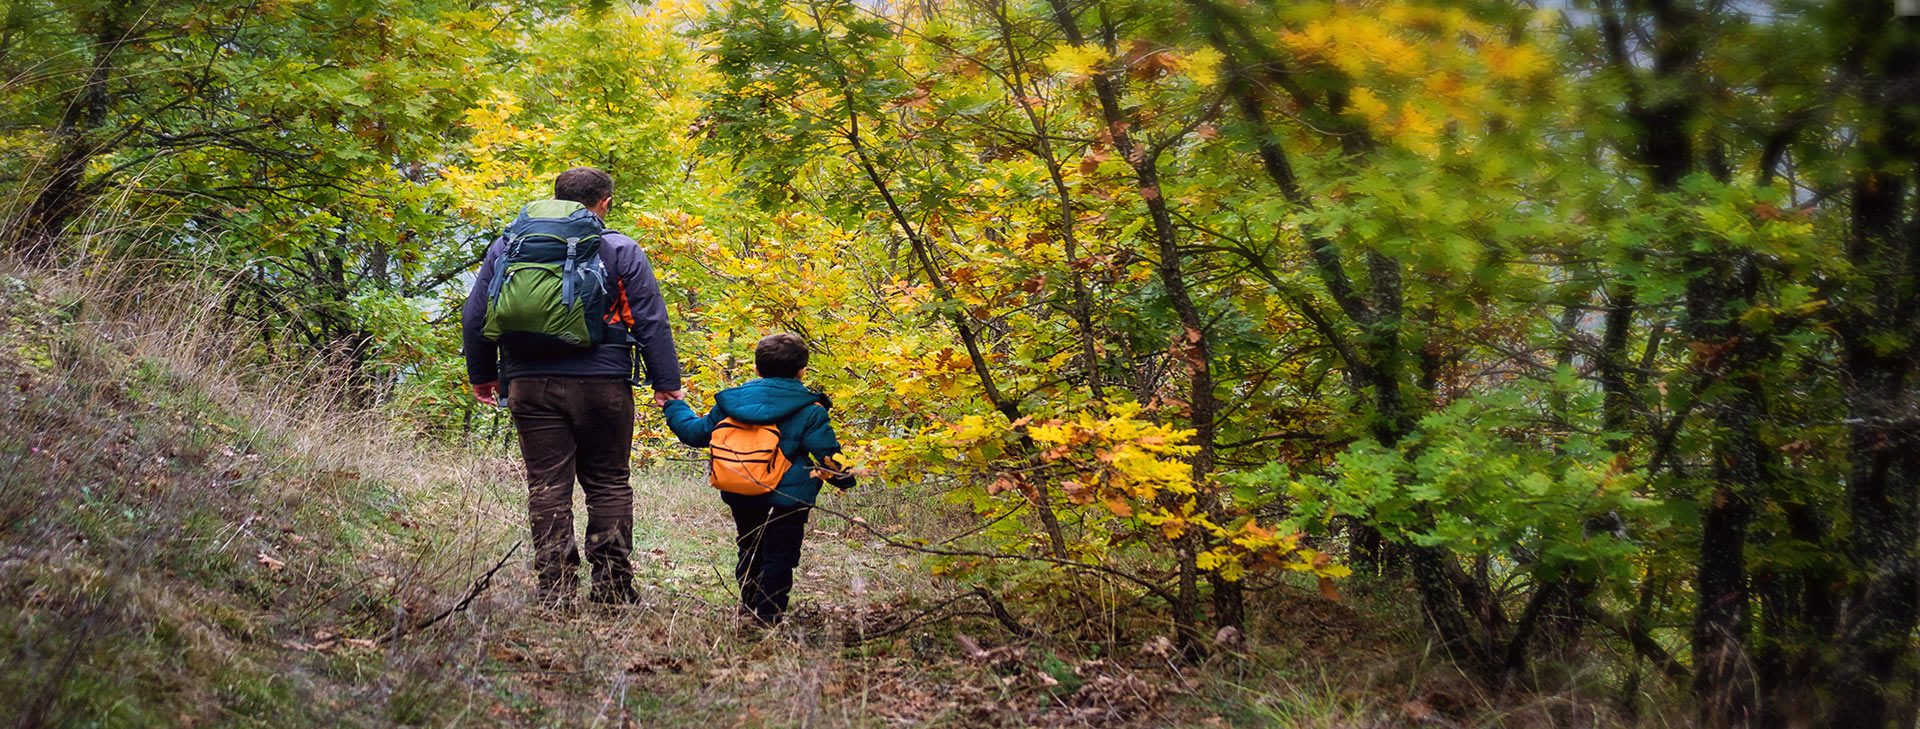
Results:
577 426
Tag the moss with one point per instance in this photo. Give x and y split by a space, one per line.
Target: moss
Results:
1062 673
257 696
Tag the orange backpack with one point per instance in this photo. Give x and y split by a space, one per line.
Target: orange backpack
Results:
745 458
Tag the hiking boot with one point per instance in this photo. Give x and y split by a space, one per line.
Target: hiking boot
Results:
749 628
610 595
748 616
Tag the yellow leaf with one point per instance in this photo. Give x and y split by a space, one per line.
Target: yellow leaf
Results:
1173 528
1368 105
1078 62
1202 64
1514 63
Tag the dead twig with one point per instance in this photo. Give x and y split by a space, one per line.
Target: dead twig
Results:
479 585
996 608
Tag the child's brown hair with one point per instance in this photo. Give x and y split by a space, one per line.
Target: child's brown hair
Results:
780 355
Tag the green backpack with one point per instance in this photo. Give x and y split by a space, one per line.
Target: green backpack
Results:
549 292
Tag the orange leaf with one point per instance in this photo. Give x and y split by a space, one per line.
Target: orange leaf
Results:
1328 590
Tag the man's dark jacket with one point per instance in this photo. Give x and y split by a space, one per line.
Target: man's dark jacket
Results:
627 268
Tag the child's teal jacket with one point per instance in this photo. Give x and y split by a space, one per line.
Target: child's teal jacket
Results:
806 435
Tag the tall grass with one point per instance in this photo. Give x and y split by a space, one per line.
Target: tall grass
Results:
173 487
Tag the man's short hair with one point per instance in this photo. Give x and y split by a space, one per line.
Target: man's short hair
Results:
584 185
780 355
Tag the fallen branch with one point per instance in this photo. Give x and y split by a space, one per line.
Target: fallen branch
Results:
1000 613
479 585
908 624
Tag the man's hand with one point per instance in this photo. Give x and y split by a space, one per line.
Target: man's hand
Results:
662 397
487 392
830 471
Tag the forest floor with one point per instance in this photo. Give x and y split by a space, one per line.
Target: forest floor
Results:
182 544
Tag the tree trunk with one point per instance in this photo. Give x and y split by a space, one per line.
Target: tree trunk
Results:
76 139
1377 363
1440 603
1192 344
923 254
1082 307
1724 668
1876 673
1617 402
1009 408
348 344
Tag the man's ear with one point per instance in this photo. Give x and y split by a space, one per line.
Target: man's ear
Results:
603 207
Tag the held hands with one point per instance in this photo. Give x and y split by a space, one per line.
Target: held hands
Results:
832 472
662 397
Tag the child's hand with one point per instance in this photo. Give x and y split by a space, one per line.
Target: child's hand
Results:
831 472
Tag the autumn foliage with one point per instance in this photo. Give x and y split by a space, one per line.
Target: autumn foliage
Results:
1593 326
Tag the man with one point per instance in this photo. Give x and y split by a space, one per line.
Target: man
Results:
573 408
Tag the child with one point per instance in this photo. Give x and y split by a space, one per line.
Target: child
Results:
770 526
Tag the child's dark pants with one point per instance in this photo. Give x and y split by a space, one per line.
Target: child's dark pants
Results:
578 427
769 541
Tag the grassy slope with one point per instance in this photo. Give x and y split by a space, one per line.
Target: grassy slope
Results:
165 558
175 549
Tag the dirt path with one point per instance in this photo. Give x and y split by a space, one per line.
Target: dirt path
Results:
680 658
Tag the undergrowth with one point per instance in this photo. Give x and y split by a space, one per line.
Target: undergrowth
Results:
189 537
